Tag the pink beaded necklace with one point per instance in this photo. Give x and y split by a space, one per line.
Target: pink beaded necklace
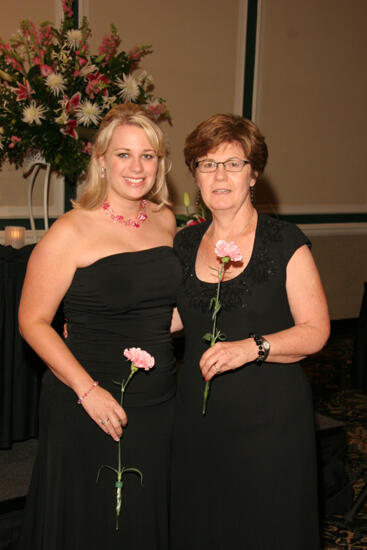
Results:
117 218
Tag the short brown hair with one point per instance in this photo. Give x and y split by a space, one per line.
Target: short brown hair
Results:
227 128
95 188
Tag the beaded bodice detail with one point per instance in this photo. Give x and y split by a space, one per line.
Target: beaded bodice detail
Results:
235 292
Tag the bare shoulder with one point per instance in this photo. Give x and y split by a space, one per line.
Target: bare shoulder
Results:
301 259
165 217
63 239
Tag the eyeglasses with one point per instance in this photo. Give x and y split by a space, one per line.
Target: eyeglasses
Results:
231 165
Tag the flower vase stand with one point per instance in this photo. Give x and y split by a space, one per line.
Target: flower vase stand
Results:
34 164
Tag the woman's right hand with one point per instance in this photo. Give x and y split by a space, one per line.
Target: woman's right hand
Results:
106 412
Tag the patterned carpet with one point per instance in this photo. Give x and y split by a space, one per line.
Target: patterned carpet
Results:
329 373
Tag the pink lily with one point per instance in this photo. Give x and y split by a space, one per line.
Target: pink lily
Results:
24 91
70 129
73 102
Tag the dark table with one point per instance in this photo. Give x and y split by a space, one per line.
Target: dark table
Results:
21 369
359 364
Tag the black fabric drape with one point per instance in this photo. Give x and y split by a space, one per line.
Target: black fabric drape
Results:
359 365
20 368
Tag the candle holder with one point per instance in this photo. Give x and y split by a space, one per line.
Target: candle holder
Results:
14 236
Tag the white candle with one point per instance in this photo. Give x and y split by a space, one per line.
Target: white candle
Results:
14 236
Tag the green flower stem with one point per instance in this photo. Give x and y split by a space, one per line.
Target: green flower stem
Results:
206 394
118 485
216 306
133 370
215 333
120 471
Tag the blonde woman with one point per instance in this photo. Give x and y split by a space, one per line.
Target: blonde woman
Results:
110 260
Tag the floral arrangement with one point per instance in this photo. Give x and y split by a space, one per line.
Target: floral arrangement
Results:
54 93
140 359
227 252
191 218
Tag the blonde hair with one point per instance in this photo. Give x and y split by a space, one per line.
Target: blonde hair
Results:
95 187
226 128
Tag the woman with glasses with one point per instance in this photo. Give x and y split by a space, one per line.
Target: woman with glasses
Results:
244 473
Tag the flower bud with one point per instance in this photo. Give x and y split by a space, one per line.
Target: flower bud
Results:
186 200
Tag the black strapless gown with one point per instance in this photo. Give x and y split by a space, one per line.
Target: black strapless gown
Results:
244 475
123 300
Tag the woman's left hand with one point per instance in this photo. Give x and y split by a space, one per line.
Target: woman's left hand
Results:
224 356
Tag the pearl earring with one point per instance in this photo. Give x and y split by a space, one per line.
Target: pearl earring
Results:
103 172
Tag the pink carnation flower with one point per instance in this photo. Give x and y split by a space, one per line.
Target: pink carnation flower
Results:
224 249
141 359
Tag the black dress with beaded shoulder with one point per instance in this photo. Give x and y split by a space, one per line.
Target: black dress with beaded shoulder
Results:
244 475
120 301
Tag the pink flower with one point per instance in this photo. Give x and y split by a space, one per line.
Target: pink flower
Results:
195 220
137 52
14 140
96 83
230 250
24 91
69 130
14 63
47 35
46 70
66 6
109 46
141 359
156 109
88 148
134 54
72 103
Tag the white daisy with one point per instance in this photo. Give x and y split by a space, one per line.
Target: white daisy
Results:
33 113
56 83
129 89
88 113
73 38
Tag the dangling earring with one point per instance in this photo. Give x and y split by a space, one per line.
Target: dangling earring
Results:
103 172
198 199
252 194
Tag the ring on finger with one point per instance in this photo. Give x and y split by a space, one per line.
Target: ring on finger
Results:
103 422
217 369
